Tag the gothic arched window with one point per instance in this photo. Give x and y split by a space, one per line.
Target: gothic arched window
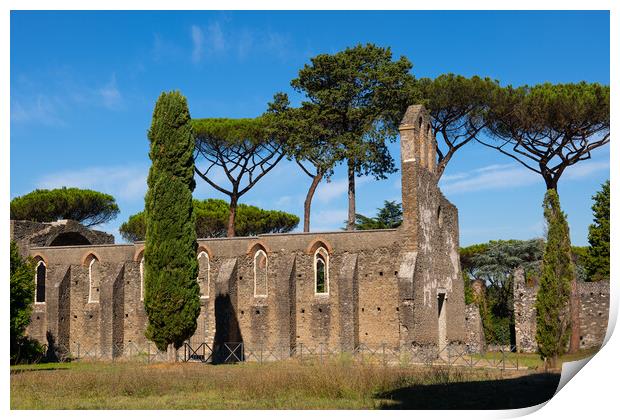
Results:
39 278
94 279
142 278
260 273
203 274
321 271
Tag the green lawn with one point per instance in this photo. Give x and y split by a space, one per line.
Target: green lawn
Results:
277 385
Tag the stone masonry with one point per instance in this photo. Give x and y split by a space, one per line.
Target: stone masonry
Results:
395 287
593 312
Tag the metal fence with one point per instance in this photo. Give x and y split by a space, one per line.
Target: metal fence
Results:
383 354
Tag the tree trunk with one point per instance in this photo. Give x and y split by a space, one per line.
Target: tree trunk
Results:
172 353
351 218
308 202
232 213
574 317
552 184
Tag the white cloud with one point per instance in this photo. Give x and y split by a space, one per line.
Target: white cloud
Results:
42 109
283 201
217 38
197 39
490 178
123 182
586 168
330 190
506 176
327 220
110 95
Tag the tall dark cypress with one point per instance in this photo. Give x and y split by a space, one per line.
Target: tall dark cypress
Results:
172 299
553 323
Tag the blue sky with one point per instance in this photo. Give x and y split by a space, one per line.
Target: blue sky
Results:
83 87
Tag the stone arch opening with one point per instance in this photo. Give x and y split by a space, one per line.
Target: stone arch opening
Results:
94 278
204 266
321 271
40 278
70 239
260 273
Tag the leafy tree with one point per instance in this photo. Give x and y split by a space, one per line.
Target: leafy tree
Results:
358 96
597 260
548 127
552 318
457 105
308 142
494 262
580 259
85 206
389 216
171 300
244 149
212 221
22 297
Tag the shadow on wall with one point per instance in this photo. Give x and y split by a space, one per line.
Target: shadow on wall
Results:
520 392
70 238
228 342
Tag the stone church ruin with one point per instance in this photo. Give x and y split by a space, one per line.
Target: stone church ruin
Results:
396 288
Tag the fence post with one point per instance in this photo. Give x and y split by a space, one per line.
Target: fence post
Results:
383 350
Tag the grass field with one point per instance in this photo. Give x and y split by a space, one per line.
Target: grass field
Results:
277 385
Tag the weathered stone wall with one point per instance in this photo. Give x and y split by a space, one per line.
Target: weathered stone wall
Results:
524 312
593 313
475 340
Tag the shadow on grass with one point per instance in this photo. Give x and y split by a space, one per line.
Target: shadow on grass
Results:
511 393
37 368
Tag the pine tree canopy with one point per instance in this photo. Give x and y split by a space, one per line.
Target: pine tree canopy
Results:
212 220
85 206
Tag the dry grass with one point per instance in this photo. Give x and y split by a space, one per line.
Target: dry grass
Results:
290 385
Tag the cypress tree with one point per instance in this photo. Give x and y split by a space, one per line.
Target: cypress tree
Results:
172 300
552 301
597 261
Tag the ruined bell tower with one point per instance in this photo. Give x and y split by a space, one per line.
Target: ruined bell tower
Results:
417 154
429 278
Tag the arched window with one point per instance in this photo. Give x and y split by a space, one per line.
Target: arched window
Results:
260 273
39 279
203 274
321 271
142 278
94 279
